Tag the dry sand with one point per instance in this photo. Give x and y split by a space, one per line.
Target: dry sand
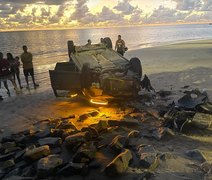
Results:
169 67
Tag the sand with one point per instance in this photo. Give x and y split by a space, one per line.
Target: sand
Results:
169 67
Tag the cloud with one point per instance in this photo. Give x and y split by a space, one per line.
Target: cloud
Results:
187 5
125 7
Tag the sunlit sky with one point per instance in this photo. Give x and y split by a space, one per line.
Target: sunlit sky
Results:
48 14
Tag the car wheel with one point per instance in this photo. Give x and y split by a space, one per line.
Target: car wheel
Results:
135 66
108 42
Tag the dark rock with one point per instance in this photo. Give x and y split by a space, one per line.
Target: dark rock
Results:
118 143
37 153
67 125
113 122
94 113
21 164
8 164
9 138
205 108
28 171
84 117
129 122
163 93
57 150
11 149
48 165
145 175
119 165
149 161
8 145
101 126
19 178
6 156
133 134
51 141
85 153
159 133
93 132
43 133
94 165
73 169
68 132
14 172
71 116
77 138
29 140
146 149
196 155
19 155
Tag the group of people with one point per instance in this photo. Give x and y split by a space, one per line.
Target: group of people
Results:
10 70
119 47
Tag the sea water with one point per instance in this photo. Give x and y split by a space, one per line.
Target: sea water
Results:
50 46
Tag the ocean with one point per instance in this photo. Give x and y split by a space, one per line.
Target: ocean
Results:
50 46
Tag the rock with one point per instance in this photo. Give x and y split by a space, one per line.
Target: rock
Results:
28 171
57 150
48 165
14 172
19 155
113 122
133 134
71 116
77 138
94 113
51 141
129 122
145 175
43 133
84 117
202 121
206 167
85 153
145 149
19 178
196 155
6 156
93 132
119 165
37 153
67 125
8 145
73 169
118 143
159 133
11 149
68 132
21 164
101 126
149 161
8 164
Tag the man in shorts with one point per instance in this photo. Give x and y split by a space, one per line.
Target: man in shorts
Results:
26 59
120 46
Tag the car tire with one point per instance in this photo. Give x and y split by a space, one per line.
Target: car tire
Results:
108 42
135 65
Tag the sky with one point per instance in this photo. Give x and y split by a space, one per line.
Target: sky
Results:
51 14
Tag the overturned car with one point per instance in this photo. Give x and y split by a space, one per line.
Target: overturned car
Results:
97 72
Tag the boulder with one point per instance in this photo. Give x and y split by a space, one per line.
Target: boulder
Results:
76 139
8 145
51 141
195 154
133 134
37 153
93 132
149 161
94 113
118 143
146 149
67 125
48 165
73 169
9 163
120 164
84 117
101 126
85 153
6 156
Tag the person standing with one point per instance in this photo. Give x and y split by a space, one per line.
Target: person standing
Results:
15 64
120 46
6 74
26 59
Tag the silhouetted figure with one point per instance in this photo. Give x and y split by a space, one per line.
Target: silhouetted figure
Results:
26 59
120 46
15 64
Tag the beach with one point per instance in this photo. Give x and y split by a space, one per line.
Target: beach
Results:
169 68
